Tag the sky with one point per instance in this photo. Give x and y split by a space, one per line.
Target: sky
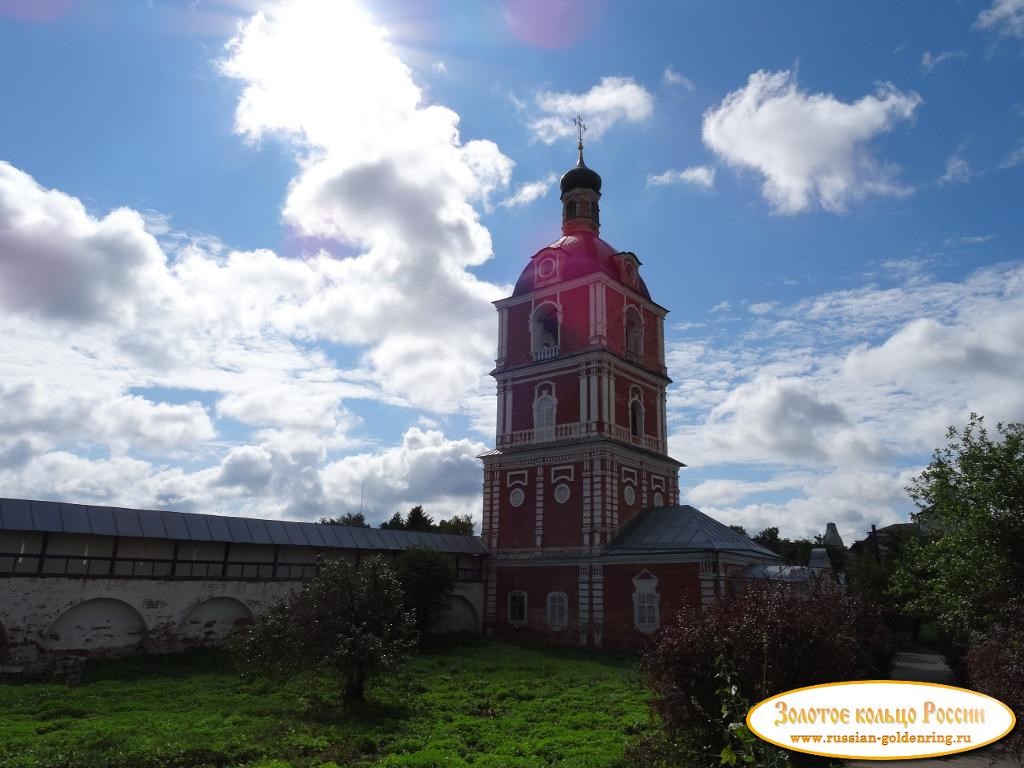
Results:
248 249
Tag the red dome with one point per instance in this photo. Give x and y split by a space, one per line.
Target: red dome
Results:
582 253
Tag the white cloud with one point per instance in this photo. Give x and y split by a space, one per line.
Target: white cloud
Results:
1004 16
700 176
672 78
762 307
240 363
398 182
528 192
930 61
613 100
60 263
119 421
426 468
809 147
969 240
958 170
843 396
1015 158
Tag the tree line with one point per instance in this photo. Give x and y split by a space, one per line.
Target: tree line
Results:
415 520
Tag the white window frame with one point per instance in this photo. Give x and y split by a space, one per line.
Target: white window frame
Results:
646 603
558 610
516 593
545 411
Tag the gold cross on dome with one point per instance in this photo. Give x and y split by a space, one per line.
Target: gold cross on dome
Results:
581 127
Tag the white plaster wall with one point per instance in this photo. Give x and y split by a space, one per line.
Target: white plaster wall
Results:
107 616
29 608
210 622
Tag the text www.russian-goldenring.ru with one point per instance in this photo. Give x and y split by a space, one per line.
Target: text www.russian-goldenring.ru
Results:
885 739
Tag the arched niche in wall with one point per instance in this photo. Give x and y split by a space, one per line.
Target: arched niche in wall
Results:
212 620
456 615
100 624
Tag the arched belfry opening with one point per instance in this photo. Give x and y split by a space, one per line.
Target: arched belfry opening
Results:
544 332
634 335
636 417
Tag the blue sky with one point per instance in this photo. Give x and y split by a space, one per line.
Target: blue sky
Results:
247 249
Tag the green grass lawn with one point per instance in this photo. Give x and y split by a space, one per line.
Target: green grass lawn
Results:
492 705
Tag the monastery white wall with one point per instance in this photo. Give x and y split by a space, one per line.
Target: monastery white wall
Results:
45 617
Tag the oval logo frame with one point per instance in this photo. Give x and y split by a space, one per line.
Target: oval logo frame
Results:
881 720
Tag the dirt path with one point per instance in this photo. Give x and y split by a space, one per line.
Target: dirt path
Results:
931 668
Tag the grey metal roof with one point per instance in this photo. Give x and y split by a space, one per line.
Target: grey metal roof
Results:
682 529
788 573
58 517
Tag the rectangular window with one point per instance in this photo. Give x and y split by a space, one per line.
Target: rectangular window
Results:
558 610
517 607
646 611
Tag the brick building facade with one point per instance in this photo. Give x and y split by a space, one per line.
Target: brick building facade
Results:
588 544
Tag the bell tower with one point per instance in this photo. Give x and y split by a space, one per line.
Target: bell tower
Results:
580 445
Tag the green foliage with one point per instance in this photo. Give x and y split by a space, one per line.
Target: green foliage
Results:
741 747
352 519
418 520
750 646
971 500
489 705
459 524
349 622
995 666
794 552
870 574
427 577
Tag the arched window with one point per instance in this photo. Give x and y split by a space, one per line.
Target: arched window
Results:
570 210
544 332
517 607
634 335
636 417
544 407
558 610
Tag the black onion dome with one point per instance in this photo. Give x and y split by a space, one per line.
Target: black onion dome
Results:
580 177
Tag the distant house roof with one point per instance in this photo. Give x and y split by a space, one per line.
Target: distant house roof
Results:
787 573
58 517
682 529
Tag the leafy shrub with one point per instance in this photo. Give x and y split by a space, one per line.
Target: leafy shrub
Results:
747 647
995 665
427 578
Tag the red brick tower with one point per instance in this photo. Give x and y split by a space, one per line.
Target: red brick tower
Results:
580 446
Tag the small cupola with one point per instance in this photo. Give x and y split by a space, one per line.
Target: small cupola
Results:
581 190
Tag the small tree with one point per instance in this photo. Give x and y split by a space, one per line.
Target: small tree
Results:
971 500
418 520
427 578
350 622
458 524
352 519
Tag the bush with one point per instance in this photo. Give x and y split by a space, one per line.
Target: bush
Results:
427 578
749 646
347 621
995 665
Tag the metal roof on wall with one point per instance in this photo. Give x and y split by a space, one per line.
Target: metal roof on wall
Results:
58 517
682 529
